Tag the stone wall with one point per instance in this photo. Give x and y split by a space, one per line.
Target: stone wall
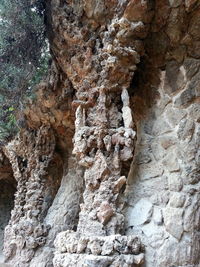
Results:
7 191
107 166
163 184
162 195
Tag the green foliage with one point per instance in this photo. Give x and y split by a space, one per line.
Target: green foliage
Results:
24 56
41 69
7 121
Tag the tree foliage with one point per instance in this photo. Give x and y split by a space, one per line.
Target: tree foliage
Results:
23 56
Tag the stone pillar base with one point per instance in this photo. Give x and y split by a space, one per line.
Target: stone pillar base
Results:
72 249
89 260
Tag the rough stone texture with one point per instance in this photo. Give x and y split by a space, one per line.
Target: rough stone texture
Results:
7 191
101 71
121 100
29 157
63 213
98 250
168 134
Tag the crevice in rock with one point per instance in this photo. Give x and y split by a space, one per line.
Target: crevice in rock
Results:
136 77
52 182
7 192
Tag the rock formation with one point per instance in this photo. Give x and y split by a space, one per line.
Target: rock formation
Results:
107 165
7 190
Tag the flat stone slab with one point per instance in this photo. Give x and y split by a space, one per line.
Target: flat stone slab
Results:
83 260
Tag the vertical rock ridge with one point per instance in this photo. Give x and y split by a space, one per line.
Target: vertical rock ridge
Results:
104 127
92 117
30 156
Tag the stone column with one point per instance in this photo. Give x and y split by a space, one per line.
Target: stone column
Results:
30 154
104 139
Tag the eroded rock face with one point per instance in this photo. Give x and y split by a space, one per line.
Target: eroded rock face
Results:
30 156
165 170
109 48
7 191
123 87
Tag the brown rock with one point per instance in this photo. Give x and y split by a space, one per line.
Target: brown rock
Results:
136 11
105 212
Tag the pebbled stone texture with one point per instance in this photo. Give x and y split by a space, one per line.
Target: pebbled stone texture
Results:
168 132
107 168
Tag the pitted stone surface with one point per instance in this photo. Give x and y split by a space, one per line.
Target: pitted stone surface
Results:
169 127
104 126
123 86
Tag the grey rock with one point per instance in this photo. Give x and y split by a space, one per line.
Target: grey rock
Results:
158 151
161 198
186 129
148 171
171 162
167 141
143 157
175 182
177 200
175 3
194 112
192 66
157 215
174 76
141 213
160 127
174 115
173 220
92 261
187 96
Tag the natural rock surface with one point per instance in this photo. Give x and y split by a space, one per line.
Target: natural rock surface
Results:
107 169
104 136
165 169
